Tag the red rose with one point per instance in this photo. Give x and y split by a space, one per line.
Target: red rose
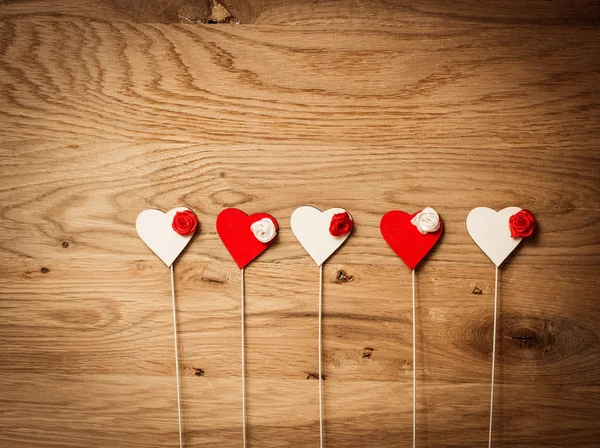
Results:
521 224
185 222
341 224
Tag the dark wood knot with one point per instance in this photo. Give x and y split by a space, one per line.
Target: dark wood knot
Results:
343 278
314 376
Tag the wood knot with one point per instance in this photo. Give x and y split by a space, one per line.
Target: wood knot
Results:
314 376
220 14
213 280
65 244
476 290
212 11
526 337
368 352
44 270
198 372
343 278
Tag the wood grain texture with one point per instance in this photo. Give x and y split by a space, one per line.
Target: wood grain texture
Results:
444 86
108 108
324 12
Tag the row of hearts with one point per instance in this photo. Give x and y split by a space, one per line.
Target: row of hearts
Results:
488 228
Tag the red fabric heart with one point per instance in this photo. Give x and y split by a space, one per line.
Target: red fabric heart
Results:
404 237
233 226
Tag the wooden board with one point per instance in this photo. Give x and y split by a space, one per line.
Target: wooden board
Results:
105 112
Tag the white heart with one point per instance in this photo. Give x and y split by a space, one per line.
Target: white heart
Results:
491 231
311 228
155 228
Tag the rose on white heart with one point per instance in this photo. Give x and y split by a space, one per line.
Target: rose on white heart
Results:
427 220
491 232
155 228
311 227
264 230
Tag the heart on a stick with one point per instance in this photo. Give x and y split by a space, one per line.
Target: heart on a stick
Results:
405 238
311 228
491 232
246 237
155 228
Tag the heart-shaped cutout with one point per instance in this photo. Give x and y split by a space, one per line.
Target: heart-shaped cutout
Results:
155 228
491 232
311 228
405 238
236 230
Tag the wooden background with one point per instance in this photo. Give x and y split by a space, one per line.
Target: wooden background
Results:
111 107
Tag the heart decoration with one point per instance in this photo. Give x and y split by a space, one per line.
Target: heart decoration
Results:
405 238
235 230
155 228
491 232
311 228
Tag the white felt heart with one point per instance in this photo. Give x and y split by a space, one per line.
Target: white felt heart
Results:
491 231
155 228
311 227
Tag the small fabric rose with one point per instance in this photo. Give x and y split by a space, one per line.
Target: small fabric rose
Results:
427 220
341 224
522 224
185 222
264 230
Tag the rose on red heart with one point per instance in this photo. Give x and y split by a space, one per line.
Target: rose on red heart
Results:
405 238
235 230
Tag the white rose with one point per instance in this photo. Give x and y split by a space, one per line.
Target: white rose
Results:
427 220
264 230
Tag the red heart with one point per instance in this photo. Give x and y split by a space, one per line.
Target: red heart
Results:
404 237
233 226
